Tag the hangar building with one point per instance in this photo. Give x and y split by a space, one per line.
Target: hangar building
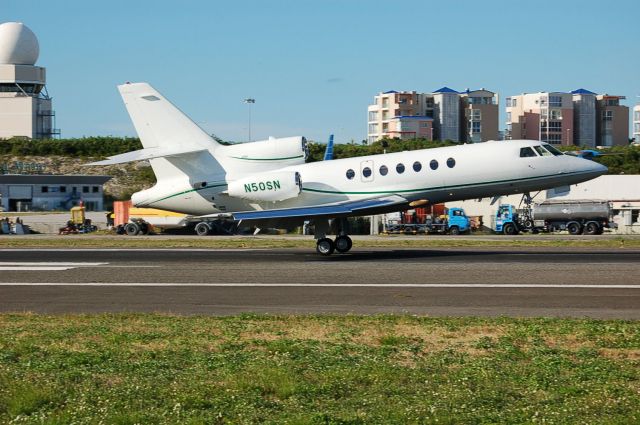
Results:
45 192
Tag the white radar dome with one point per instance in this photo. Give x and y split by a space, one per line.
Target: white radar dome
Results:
18 44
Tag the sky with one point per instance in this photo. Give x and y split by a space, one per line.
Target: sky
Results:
313 67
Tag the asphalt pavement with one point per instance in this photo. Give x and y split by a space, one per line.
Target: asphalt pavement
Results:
440 282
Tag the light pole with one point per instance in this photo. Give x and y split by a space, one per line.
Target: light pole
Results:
249 101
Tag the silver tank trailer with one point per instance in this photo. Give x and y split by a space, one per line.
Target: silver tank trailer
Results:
568 210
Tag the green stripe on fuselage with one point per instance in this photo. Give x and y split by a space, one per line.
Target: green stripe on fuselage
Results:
187 191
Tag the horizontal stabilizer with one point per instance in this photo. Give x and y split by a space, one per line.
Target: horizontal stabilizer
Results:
144 154
343 208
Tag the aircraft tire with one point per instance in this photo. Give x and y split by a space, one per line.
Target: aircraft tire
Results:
343 244
325 246
131 229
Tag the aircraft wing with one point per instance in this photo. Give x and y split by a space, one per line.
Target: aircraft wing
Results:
358 207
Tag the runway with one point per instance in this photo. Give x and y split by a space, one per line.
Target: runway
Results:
441 282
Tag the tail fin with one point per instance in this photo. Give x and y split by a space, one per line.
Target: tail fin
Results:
159 123
175 146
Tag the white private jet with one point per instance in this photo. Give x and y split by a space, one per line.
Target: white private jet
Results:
268 182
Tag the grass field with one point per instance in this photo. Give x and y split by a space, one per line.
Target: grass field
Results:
391 241
126 369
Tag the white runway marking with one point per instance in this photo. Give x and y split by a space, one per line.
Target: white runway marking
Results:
322 285
132 249
34 268
48 263
40 266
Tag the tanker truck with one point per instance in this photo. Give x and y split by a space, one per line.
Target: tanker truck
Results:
590 217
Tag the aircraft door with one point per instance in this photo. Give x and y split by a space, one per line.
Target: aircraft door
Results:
366 171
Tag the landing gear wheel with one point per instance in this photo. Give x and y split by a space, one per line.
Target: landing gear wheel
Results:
510 229
343 244
325 246
203 229
574 228
131 229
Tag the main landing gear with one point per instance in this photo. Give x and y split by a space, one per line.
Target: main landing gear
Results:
326 246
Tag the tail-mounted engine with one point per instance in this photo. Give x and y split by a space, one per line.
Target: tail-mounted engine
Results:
276 186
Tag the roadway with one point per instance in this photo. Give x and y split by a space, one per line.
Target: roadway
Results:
453 282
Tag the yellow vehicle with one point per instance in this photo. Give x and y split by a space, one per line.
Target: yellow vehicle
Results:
146 220
78 223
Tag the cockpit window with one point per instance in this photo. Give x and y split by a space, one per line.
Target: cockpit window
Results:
542 151
553 150
527 152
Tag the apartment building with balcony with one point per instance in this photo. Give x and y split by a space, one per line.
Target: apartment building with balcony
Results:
388 107
479 115
580 118
409 127
546 116
444 114
612 123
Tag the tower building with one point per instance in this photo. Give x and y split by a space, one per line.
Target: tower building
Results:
25 105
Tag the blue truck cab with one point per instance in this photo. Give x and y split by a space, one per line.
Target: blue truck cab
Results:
507 220
457 221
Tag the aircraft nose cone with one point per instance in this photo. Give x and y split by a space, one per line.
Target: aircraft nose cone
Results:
596 169
592 168
584 169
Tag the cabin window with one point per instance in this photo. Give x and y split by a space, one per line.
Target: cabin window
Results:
383 170
350 174
553 150
400 168
541 151
451 162
417 166
366 172
433 164
527 152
